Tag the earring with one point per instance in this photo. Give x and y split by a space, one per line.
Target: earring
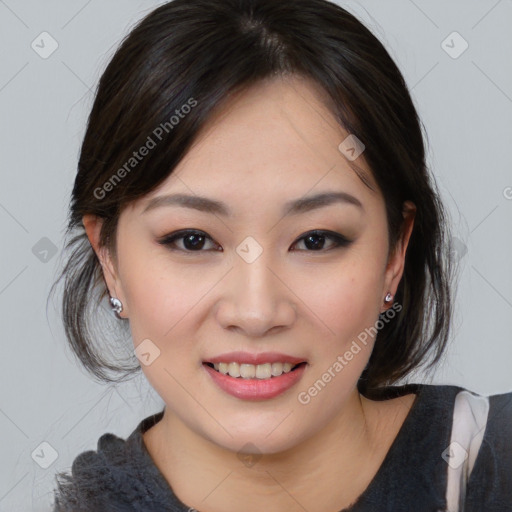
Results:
388 298
117 306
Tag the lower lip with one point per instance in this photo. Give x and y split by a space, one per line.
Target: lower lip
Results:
255 389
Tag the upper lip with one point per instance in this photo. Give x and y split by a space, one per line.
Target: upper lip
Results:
249 358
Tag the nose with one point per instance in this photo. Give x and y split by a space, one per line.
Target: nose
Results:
256 299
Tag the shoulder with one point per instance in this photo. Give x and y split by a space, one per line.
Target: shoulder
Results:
116 473
434 400
470 434
453 399
491 416
490 483
97 477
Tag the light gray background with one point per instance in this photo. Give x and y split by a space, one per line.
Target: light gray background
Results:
465 103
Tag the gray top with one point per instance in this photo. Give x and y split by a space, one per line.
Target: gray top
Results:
120 476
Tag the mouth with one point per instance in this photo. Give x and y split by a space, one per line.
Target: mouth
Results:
255 382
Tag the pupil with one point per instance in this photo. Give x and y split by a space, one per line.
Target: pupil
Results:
188 241
314 245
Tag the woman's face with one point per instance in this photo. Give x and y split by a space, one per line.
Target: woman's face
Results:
250 279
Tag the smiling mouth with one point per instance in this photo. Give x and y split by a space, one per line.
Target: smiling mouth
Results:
250 371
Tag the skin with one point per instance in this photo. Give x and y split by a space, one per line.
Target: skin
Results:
272 143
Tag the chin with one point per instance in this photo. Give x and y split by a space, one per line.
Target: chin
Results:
256 440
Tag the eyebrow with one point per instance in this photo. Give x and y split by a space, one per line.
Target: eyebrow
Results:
294 207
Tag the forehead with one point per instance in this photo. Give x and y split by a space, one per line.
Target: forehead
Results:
275 140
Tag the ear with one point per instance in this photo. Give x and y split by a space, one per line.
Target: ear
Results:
92 225
396 262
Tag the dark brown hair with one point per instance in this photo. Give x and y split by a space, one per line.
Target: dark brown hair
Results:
201 52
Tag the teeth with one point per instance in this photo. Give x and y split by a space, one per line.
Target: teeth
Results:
251 371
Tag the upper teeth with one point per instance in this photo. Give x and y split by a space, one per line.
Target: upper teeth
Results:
250 371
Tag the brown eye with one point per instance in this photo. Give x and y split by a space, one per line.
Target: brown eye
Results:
315 240
193 241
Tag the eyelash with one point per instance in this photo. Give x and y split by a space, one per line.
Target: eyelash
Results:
339 240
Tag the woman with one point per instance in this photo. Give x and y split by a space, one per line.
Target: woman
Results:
252 196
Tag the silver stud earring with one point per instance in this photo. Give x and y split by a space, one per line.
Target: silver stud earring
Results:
117 306
388 298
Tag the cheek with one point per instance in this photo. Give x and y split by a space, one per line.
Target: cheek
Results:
347 298
161 307
157 295
346 307
162 304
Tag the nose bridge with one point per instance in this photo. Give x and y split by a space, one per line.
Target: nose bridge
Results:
252 262
256 286
259 300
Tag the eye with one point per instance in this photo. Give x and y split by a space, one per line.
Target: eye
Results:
315 239
194 240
